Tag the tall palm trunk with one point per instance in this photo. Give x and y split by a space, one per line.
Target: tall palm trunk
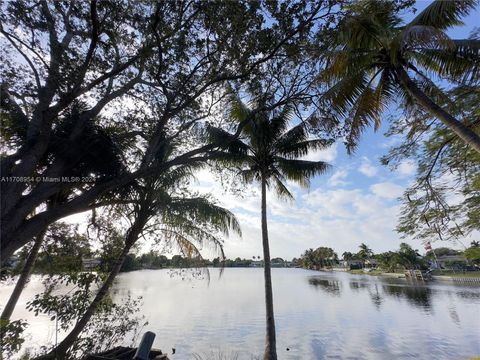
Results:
466 134
271 344
23 278
60 351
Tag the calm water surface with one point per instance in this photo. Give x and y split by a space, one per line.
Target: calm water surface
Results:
318 315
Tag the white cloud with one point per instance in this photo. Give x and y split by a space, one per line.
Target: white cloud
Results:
327 155
324 216
387 190
338 178
407 168
337 218
366 168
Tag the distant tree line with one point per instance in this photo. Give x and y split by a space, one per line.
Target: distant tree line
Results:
67 255
404 258
318 258
154 260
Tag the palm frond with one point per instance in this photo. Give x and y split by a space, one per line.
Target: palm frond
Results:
238 110
344 94
230 159
191 239
226 140
368 107
346 62
293 136
280 122
443 14
460 62
172 177
424 36
300 171
384 92
366 111
281 189
361 31
249 175
203 211
301 148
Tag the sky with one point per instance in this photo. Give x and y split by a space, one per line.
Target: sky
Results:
356 202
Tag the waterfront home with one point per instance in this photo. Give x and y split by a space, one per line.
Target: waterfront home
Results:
353 264
449 261
256 263
371 263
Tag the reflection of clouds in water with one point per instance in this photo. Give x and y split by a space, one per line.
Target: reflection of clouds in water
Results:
334 316
318 347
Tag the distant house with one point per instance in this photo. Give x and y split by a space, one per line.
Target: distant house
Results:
370 263
256 263
278 262
90 264
353 264
447 261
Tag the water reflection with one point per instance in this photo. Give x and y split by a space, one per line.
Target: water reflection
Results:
376 298
454 314
419 296
416 294
331 287
469 295
357 285
318 315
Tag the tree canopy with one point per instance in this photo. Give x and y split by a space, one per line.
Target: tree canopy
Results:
89 91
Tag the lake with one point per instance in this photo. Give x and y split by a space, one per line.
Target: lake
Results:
319 315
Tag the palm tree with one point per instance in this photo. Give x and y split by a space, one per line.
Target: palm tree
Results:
268 152
376 59
409 257
308 259
365 252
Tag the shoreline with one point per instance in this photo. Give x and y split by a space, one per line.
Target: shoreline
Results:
456 278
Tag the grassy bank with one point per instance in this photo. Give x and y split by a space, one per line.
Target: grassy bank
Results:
360 271
470 274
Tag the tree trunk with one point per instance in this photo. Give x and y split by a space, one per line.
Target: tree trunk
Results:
271 344
465 133
23 278
60 351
